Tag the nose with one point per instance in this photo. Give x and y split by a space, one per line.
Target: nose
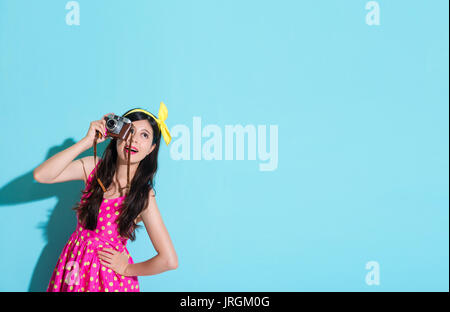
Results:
134 141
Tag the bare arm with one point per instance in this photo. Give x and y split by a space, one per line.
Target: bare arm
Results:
49 170
61 167
166 259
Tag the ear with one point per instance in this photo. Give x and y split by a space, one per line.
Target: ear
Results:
151 149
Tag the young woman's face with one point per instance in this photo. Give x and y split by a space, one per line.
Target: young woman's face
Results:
142 142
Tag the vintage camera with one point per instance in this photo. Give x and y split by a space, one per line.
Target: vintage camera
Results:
117 126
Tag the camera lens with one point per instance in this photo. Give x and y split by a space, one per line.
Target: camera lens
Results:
111 124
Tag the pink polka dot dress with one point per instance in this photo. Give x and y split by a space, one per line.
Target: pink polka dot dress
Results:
78 268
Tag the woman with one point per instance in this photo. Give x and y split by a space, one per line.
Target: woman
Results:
95 257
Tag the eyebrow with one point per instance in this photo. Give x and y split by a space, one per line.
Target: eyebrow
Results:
146 130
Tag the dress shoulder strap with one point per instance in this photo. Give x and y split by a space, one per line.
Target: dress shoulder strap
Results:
84 169
91 175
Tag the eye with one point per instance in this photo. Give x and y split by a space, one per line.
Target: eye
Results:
146 135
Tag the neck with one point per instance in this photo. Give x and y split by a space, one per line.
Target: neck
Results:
121 172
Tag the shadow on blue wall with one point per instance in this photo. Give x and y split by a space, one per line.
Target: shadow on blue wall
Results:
62 219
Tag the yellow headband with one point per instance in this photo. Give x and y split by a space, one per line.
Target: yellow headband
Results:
162 115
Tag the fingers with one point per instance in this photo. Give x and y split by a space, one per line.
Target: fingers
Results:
110 250
102 124
101 127
104 127
106 264
104 117
104 255
107 252
99 135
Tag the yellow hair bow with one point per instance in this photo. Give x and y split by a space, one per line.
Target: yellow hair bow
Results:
162 116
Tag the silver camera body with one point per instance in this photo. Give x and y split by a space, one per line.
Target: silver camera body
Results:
117 126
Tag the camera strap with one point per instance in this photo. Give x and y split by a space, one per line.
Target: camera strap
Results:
128 161
98 136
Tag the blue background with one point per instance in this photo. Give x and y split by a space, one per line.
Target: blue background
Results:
362 116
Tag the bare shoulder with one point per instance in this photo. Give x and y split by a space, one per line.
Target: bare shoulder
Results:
152 206
88 163
158 232
151 203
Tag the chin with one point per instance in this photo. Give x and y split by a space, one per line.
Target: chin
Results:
133 158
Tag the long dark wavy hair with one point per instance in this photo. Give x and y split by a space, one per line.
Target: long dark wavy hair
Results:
136 199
